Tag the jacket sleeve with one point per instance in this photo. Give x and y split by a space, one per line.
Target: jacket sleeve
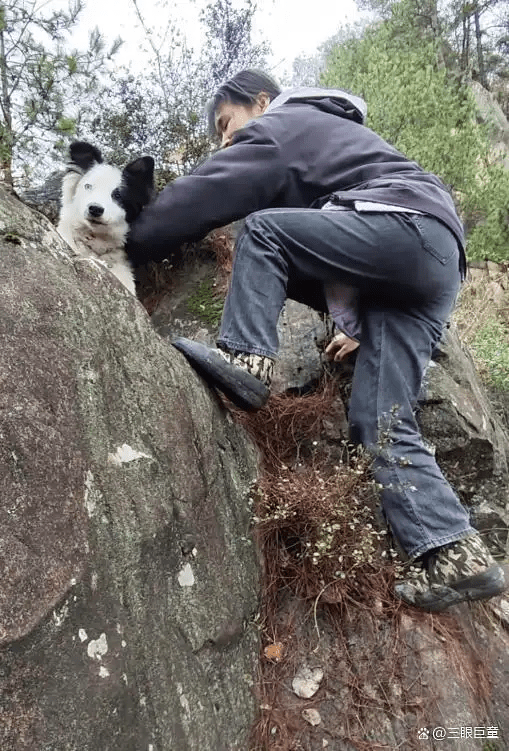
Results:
245 177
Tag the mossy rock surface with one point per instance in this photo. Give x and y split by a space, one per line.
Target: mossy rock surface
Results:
192 305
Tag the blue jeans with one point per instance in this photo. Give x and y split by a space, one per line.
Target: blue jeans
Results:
406 267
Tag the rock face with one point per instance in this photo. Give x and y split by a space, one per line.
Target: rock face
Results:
491 113
127 585
46 198
472 446
393 680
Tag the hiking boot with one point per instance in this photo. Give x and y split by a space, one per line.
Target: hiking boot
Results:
463 570
245 378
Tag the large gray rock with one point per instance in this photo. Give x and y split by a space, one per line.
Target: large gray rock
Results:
491 114
392 680
301 331
472 445
46 197
128 586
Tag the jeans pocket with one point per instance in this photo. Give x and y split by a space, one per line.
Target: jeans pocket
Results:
436 239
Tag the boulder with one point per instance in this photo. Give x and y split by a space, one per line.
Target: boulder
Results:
470 440
46 197
490 113
128 583
391 680
301 331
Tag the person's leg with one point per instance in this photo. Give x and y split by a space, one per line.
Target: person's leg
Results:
408 286
407 293
428 521
291 253
419 504
263 277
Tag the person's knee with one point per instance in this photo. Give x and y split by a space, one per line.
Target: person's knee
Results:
252 229
261 235
259 221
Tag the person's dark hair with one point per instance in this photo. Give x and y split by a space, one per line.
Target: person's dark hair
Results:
243 89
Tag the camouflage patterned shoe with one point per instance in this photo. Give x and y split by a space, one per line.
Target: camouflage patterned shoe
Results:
258 365
244 378
463 570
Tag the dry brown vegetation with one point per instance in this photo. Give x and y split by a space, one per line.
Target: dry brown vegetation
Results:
328 573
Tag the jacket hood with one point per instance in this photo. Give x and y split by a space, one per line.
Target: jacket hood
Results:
335 101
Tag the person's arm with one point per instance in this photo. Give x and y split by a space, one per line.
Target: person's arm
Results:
245 177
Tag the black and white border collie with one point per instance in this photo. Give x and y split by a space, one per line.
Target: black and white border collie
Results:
98 203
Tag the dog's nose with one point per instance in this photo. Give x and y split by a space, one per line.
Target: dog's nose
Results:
95 210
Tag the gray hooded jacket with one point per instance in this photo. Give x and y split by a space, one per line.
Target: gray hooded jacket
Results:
310 146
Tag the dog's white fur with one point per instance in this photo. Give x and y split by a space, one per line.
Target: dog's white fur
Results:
101 237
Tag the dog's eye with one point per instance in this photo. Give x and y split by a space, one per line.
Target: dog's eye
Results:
87 186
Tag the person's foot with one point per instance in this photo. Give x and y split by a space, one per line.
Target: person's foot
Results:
463 570
243 377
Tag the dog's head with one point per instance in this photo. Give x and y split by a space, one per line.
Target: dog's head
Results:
102 196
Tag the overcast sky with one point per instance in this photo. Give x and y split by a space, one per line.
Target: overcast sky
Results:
291 27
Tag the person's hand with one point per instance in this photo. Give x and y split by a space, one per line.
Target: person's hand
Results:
340 347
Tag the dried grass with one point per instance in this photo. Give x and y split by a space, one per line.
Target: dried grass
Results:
474 310
317 529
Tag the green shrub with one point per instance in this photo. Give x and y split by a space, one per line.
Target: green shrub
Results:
416 104
491 349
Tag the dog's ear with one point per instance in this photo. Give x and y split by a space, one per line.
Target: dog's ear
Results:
141 170
84 155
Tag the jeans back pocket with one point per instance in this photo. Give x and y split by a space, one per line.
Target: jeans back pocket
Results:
435 237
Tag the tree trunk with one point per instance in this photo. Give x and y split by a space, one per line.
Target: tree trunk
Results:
480 55
465 43
6 125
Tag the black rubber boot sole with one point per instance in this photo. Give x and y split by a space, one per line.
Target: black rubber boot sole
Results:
242 388
490 583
